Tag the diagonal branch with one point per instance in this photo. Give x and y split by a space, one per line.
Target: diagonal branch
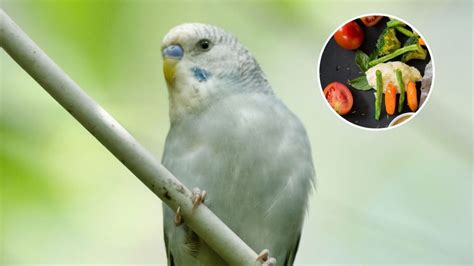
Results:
121 144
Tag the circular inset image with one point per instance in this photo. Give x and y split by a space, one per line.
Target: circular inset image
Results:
376 71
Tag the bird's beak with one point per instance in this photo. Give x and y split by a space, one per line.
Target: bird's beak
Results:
171 56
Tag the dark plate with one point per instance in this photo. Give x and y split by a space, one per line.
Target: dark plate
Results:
337 64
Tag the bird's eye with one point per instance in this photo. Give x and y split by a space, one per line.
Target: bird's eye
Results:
204 44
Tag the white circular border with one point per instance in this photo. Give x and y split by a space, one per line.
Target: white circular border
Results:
388 127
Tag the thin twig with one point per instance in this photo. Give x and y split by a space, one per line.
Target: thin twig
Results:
121 144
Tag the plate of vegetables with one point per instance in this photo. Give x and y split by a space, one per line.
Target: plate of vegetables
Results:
374 69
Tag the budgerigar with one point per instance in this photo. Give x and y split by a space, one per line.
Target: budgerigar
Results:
232 137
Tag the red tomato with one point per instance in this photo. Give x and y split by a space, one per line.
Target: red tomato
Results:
370 21
350 36
339 97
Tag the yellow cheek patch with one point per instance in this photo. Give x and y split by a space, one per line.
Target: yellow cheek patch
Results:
169 69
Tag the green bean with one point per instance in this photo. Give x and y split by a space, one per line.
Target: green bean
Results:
404 31
396 53
378 94
401 85
394 23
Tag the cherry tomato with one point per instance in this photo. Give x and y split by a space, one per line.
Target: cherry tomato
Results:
370 21
339 97
350 36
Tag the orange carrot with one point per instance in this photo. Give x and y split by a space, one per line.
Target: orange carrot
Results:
421 41
411 96
390 98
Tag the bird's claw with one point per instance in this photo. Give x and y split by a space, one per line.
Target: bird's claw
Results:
263 257
198 197
270 262
178 219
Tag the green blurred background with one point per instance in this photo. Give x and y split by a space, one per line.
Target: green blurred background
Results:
402 196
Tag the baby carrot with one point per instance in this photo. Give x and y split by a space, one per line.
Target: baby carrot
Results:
421 41
411 96
390 98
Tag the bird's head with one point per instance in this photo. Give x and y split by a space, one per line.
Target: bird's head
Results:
202 63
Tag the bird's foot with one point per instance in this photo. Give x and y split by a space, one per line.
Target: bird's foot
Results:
270 262
198 196
263 257
178 219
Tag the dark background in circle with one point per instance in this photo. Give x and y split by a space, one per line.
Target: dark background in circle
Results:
338 64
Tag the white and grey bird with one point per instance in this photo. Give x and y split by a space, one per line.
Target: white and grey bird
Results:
232 137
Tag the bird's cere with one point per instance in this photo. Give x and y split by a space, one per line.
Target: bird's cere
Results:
200 74
173 51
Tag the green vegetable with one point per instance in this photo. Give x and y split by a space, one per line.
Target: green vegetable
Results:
401 85
419 53
362 60
398 52
387 42
400 26
378 94
374 55
394 23
360 83
404 31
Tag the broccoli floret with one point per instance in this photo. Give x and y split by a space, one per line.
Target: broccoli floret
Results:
419 53
387 42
